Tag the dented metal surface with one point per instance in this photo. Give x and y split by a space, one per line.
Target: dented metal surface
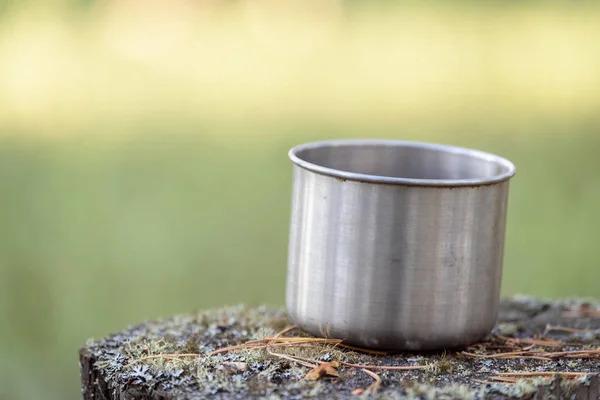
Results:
396 245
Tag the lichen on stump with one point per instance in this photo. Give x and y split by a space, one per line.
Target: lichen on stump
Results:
539 349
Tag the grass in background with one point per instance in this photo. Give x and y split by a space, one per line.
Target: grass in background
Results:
98 234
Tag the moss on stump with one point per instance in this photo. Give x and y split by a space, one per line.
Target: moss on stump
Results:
556 342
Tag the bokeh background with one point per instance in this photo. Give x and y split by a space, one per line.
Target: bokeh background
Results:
143 165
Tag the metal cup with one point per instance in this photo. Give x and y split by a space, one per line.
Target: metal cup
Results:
396 245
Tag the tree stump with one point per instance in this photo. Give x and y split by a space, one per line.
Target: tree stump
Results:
539 349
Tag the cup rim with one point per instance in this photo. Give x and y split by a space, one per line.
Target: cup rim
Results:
508 167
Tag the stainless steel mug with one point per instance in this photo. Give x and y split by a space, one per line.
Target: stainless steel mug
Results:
396 245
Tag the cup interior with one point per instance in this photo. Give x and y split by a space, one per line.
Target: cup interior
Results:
404 160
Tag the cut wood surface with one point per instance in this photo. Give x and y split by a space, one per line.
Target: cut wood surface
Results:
539 349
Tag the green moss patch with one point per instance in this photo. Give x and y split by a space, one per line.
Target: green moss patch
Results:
122 366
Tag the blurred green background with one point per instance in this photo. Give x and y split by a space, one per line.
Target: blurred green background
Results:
143 165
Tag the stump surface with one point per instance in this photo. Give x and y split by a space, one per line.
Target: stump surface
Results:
144 362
